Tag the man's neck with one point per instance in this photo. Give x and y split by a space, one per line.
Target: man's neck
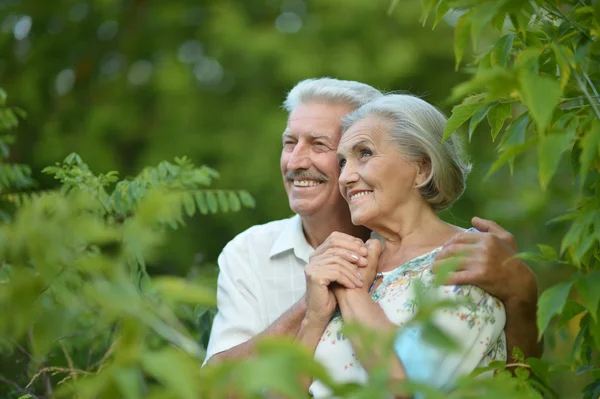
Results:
318 227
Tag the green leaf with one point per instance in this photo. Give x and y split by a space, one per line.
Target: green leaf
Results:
582 246
234 202
515 132
223 201
572 236
435 336
246 199
550 149
461 36
173 369
496 116
189 204
482 16
548 252
426 8
201 203
540 369
441 10
590 146
176 289
129 380
70 158
3 97
551 302
509 154
117 200
213 203
498 21
540 94
595 332
478 117
461 113
571 309
588 287
563 57
499 54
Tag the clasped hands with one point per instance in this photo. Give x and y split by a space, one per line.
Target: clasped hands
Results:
485 259
341 263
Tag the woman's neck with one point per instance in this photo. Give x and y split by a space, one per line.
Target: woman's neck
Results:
410 234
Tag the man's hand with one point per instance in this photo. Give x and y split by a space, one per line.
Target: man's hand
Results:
487 261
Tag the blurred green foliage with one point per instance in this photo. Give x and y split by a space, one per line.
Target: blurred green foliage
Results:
536 86
129 83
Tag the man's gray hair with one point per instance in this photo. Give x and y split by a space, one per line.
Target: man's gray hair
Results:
416 128
329 90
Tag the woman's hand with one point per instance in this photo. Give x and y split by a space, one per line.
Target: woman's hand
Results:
337 260
369 272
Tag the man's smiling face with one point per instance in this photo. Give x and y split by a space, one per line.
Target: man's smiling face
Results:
308 160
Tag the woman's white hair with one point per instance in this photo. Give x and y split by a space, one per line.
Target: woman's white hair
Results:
332 91
416 128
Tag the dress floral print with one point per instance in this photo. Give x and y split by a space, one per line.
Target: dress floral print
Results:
476 323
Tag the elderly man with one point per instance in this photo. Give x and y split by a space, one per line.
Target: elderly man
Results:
261 283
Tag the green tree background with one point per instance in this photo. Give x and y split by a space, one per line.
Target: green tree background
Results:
127 83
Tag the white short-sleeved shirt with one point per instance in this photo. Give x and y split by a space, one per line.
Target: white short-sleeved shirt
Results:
261 276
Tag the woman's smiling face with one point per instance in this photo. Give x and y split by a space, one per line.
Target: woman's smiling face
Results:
375 179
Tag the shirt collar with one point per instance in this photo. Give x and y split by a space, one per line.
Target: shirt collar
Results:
292 238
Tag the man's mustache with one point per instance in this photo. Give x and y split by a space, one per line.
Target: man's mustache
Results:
304 174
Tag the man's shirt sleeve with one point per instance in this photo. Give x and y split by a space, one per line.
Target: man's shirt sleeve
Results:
238 318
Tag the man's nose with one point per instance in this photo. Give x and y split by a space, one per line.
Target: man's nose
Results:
300 158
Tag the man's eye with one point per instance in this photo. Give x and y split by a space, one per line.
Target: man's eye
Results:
320 144
288 143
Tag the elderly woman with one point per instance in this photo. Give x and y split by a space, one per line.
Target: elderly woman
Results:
396 174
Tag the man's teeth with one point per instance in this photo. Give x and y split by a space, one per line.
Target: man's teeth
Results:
306 183
357 195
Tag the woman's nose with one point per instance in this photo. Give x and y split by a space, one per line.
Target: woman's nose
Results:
348 175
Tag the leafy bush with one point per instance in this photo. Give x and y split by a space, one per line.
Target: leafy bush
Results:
536 86
78 312
80 317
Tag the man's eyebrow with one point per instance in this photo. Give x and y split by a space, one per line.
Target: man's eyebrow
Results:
320 136
312 136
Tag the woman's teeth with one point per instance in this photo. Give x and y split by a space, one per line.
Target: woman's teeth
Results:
357 195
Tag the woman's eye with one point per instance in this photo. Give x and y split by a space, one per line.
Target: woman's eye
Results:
342 163
365 153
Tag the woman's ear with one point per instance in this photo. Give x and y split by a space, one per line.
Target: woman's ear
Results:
423 171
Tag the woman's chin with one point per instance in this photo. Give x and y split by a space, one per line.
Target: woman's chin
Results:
359 220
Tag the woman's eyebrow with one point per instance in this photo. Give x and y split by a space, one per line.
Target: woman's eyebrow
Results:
355 147
361 143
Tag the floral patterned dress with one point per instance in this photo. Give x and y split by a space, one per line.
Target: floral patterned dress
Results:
476 324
